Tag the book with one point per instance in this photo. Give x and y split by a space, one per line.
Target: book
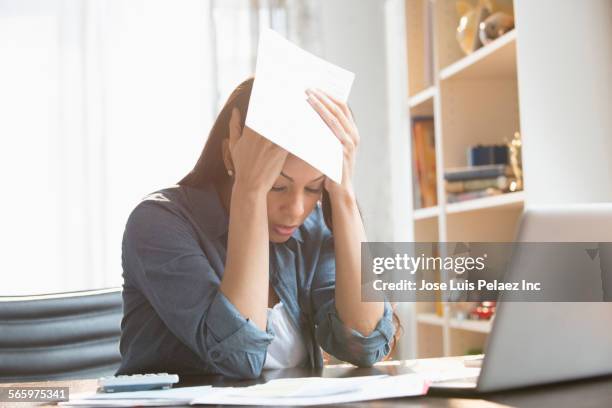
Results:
416 195
487 154
477 172
428 43
472 195
425 160
461 186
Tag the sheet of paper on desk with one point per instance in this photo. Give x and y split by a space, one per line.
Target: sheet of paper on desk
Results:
125 403
436 370
303 387
307 391
279 111
303 391
172 396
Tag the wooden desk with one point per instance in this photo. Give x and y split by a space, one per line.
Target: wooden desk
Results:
585 393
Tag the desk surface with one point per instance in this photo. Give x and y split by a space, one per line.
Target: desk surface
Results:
586 393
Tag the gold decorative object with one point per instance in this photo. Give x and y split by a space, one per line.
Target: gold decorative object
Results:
514 151
470 16
494 26
472 13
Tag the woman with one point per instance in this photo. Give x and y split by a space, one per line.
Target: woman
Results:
262 287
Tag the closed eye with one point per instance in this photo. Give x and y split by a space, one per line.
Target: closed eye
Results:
308 189
315 190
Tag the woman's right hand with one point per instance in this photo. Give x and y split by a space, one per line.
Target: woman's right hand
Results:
257 161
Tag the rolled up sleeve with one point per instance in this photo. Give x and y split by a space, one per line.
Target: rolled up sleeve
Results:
163 255
235 345
333 335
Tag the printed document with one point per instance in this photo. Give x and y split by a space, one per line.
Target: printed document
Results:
306 391
279 111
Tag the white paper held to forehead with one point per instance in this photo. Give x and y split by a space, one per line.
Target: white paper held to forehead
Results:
279 111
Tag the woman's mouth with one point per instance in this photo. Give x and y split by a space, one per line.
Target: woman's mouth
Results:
284 230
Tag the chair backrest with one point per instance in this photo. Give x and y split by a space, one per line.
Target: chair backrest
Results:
60 336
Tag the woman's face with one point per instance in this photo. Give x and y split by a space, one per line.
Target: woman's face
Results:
293 197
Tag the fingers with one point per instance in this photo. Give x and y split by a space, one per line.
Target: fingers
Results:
334 113
328 117
262 143
342 105
273 160
338 108
234 127
265 142
279 153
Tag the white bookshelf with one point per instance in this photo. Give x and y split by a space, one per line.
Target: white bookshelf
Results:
474 326
473 99
497 59
424 213
430 319
507 200
421 104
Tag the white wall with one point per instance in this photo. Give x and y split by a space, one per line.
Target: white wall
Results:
565 90
357 35
354 37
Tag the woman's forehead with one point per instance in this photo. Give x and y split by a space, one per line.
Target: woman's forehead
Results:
299 170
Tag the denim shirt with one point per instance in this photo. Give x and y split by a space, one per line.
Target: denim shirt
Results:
177 320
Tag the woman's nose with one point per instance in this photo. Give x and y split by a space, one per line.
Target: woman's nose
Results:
294 206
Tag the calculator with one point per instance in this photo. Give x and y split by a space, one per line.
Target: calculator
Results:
137 382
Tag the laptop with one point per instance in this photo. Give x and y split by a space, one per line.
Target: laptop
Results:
533 343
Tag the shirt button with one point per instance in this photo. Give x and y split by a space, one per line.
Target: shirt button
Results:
214 354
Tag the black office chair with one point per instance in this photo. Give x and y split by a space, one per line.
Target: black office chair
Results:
60 336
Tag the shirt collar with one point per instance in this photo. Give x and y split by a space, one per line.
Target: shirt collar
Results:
297 234
210 214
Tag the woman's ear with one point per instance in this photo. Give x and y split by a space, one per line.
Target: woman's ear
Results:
235 129
228 144
227 155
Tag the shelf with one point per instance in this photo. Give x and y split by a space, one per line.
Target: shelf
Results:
503 200
493 61
430 318
421 104
427 212
478 326
424 96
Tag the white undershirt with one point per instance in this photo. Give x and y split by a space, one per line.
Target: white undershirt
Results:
287 348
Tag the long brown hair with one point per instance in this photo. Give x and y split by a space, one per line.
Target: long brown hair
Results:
210 168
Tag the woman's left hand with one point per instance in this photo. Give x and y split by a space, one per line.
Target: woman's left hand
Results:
338 117
348 232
